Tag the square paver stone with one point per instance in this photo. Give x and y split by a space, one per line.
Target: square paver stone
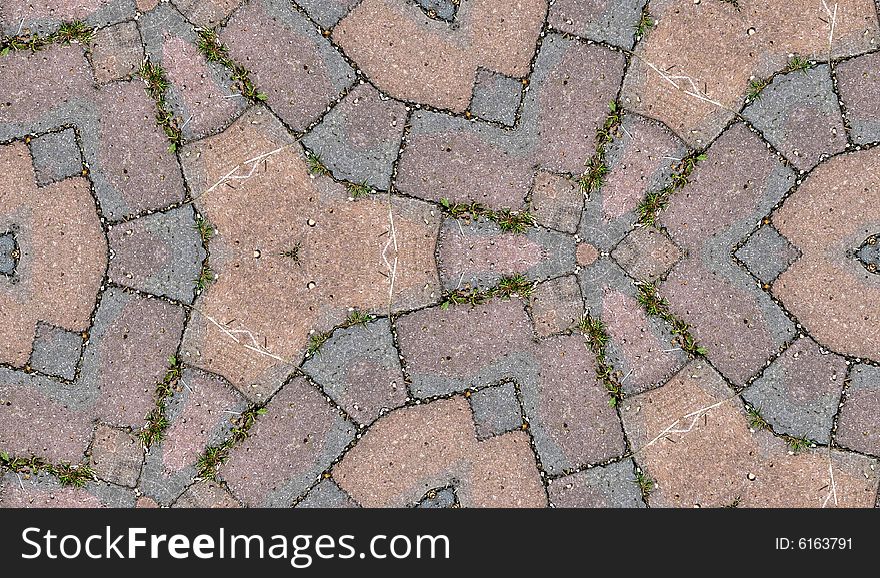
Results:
56 156
56 351
496 410
496 97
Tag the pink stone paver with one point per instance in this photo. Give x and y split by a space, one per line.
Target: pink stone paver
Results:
63 254
435 445
430 64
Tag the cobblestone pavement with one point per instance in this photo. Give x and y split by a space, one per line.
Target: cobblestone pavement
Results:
439 253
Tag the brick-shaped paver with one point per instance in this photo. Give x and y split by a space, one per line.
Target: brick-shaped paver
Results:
359 368
416 449
298 438
611 486
857 427
799 114
359 139
56 351
858 82
496 97
116 52
496 410
800 391
56 156
116 456
556 305
692 439
37 420
263 33
600 20
160 254
556 202
131 342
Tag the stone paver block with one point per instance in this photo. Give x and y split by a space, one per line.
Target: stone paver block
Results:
36 421
568 101
416 449
266 34
116 456
274 283
799 114
56 156
767 254
200 415
359 368
434 64
161 254
45 16
56 351
716 67
496 97
858 81
556 201
831 214
569 416
480 254
641 159
799 393
452 158
130 343
326 494
451 350
693 440
737 184
611 486
857 427
116 52
62 255
140 169
601 20
496 410
359 139
297 439
556 305
640 346
43 492
646 254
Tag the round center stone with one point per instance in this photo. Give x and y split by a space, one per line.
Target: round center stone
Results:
586 254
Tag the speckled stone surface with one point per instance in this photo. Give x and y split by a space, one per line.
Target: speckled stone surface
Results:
441 254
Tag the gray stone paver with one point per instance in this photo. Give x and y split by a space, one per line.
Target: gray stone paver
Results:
324 265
